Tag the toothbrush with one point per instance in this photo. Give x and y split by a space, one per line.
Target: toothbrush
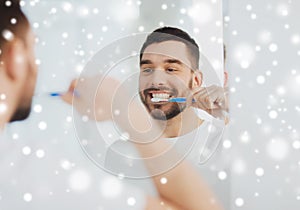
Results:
51 94
178 100
55 94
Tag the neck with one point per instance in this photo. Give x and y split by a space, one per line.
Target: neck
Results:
4 118
11 91
7 108
182 124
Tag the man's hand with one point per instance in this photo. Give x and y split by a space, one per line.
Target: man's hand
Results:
93 96
212 99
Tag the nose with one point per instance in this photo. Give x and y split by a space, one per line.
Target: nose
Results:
158 78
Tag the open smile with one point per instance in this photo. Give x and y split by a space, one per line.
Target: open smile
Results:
159 97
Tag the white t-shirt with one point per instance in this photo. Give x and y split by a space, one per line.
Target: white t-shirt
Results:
123 158
206 138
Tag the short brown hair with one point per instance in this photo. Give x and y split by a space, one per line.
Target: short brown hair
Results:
10 11
171 33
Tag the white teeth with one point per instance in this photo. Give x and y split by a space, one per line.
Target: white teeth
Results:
161 95
155 100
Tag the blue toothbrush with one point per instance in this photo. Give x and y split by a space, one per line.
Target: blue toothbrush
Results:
56 94
177 100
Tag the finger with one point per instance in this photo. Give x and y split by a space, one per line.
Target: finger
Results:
216 96
194 97
208 100
215 106
67 97
73 85
189 100
200 104
211 97
210 103
190 97
201 91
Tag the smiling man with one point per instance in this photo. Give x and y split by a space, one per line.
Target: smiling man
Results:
168 62
169 68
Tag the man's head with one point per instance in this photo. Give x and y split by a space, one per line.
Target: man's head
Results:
17 62
169 62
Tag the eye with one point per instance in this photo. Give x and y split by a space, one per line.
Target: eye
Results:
147 70
171 70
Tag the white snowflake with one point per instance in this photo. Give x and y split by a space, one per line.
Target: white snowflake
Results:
27 197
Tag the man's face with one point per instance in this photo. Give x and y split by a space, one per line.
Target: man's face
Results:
24 107
165 72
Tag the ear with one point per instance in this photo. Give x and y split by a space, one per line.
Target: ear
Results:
225 78
15 60
197 78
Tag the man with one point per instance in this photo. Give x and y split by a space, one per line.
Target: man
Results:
169 68
17 82
18 70
18 73
169 62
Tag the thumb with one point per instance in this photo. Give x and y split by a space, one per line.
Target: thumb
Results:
190 96
68 96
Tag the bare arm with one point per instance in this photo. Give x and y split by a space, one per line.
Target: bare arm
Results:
160 204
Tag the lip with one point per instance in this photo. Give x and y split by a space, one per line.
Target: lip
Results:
159 92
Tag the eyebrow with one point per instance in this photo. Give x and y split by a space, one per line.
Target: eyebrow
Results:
143 62
173 61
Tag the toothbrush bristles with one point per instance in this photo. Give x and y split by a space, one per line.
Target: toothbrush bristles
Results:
159 99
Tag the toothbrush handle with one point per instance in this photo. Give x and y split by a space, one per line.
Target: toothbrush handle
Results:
179 100
57 94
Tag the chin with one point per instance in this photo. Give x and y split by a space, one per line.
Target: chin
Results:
168 114
158 114
23 110
21 114
165 111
